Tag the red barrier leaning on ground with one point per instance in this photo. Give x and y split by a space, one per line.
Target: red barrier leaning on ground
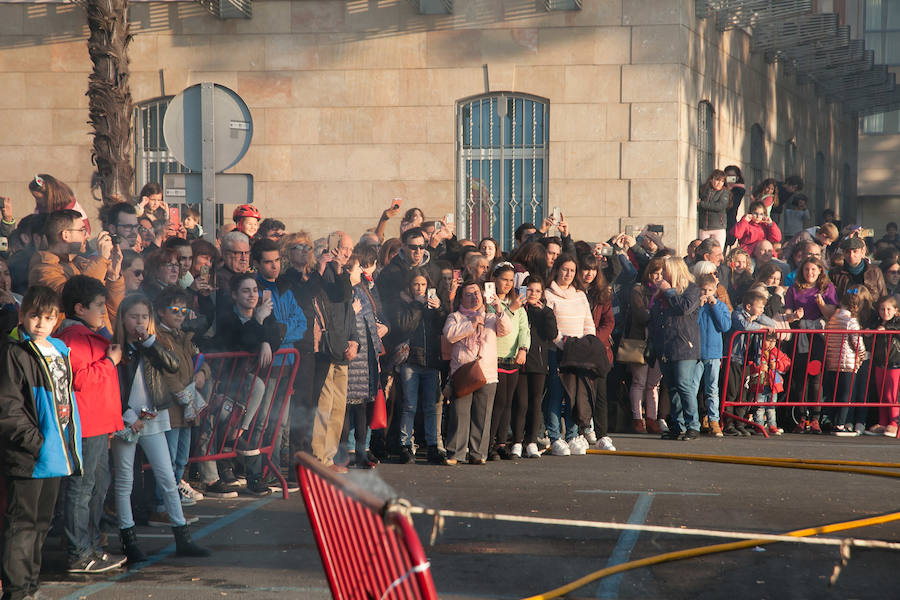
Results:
369 548
819 342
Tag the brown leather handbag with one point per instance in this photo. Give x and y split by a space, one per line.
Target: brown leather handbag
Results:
469 377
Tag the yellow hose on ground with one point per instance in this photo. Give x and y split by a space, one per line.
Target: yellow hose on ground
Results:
787 463
713 549
754 461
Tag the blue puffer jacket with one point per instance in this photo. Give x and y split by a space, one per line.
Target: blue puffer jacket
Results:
33 443
714 320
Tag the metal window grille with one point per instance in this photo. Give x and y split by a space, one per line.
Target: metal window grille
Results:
502 170
229 9
757 153
151 155
706 141
552 5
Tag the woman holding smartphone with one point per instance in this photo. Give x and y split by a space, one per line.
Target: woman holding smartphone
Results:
512 350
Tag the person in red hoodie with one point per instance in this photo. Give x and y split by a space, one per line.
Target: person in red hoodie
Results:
755 227
96 385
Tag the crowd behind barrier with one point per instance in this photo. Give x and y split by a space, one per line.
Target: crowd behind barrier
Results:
215 363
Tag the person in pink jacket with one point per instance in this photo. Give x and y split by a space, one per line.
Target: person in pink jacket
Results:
755 227
472 330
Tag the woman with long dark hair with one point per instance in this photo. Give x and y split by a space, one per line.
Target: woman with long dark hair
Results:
592 282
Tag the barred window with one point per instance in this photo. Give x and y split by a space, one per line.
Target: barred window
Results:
503 144
151 155
706 141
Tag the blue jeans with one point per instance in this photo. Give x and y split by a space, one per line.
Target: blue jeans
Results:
179 441
84 496
157 452
764 415
420 385
682 377
558 408
710 368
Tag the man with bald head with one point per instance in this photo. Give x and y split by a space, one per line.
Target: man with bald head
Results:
764 253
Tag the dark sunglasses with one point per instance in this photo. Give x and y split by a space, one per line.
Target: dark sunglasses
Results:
138 273
416 246
178 309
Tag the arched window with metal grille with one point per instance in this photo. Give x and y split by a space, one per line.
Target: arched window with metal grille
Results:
706 141
502 167
757 154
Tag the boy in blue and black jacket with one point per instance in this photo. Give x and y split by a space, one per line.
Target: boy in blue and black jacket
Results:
749 317
714 319
40 436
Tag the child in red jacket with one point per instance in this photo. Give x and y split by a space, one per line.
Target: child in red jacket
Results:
765 381
96 386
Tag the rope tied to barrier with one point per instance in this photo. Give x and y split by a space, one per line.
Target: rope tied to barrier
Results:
419 568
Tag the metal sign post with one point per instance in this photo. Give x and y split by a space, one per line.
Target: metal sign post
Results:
207 109
208 129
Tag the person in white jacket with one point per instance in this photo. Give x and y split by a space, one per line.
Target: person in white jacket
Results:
573 319
472 330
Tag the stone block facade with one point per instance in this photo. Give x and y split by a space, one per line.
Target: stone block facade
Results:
355 102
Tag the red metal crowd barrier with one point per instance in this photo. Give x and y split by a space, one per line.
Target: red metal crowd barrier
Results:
235 378
369 548
809 383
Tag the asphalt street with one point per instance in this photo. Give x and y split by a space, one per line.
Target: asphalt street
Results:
265 549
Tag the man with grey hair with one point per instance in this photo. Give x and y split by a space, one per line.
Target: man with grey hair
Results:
338 346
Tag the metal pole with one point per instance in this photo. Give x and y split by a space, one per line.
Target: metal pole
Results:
208 117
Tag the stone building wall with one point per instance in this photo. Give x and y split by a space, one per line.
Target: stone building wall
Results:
354 101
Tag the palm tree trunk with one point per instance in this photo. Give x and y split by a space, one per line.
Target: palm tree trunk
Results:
109 96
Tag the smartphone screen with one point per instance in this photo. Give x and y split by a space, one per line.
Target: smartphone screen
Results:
490 290
523 291
448 218
432 293
556 214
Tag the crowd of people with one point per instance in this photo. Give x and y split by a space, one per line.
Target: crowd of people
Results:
418 347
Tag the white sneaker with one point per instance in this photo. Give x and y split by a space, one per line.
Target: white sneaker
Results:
578 446
663 426
559 448
185 501
531 451
517 450
185 489
591 437
606 443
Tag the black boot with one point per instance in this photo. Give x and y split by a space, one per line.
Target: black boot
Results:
184 545
130 546
436 457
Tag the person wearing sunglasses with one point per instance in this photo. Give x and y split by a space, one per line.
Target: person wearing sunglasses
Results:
413 258
67 242
162 269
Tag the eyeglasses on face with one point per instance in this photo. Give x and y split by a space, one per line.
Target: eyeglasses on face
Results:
416 246
239 252
138 272
178 310
80 229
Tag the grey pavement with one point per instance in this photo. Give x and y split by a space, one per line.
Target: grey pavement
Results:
265 549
